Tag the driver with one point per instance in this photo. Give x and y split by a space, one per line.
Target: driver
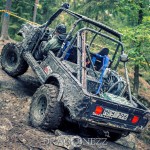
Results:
54 44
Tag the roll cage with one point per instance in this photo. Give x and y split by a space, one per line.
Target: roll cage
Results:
83 52
80 18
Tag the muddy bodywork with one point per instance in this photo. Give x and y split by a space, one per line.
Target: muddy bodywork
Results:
81 104
78 84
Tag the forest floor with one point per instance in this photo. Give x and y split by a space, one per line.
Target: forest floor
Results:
17 134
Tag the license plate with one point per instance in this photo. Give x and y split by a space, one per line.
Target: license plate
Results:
115 114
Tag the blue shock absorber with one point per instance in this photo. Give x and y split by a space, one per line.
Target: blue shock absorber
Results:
105 65
93 60
69 51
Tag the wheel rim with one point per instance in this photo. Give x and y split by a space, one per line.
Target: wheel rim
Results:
41 108
11 58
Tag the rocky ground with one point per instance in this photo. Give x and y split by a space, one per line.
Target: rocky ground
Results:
17 134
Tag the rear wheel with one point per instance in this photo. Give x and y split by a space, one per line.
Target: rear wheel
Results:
45 111
11 60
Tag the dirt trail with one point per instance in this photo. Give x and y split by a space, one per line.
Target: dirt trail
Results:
17 134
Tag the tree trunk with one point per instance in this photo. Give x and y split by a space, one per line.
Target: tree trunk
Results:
140 17
74 4
136 80
5 21
136 67
35 10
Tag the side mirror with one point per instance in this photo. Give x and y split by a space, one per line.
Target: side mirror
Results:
65 5
124 57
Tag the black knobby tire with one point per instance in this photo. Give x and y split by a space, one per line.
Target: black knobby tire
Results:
45 111
11 60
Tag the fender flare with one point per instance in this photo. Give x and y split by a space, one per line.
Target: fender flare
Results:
60 80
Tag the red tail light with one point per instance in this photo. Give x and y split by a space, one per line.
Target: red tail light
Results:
135 119
98 110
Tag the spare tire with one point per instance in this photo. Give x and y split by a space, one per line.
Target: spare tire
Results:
11 60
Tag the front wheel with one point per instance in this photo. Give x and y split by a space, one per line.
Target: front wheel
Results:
45 111
11 60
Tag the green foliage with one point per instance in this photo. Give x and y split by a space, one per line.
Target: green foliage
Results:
122 15
137 42
136 34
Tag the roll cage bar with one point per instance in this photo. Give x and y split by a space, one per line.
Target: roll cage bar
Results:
80 18
86 19
82 75
83 52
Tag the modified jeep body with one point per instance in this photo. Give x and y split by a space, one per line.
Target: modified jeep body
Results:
77 84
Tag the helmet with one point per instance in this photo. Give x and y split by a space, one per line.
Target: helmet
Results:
61 28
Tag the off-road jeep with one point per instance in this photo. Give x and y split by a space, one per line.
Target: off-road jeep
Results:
78 84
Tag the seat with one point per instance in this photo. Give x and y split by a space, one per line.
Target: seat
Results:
98 58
